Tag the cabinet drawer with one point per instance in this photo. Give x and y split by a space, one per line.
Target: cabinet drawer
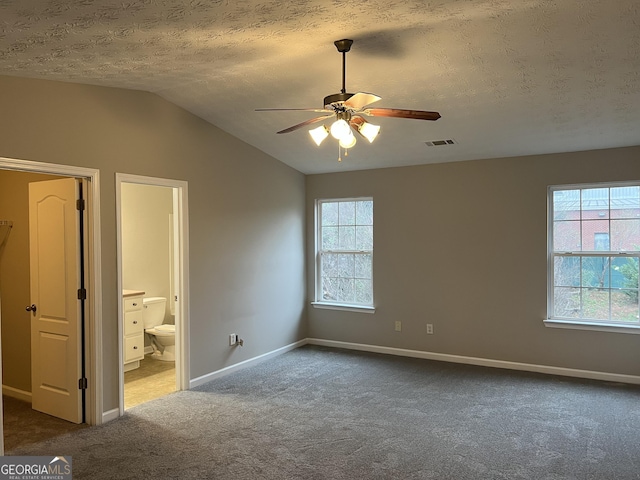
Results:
133 303
133 323
133 348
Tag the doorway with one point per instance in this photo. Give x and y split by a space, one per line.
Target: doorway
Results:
93 331
152 260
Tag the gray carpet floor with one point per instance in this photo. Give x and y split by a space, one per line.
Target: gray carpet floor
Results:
319 413
22 424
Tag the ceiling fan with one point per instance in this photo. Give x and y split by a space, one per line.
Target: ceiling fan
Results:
349 110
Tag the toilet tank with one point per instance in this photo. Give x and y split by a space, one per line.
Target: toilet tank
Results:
153 311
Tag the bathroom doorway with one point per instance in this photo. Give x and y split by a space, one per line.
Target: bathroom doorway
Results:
152 278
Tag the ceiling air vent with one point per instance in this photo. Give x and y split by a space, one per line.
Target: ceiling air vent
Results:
437 143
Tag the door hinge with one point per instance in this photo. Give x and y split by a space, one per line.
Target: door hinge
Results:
83 384
80 204
82 294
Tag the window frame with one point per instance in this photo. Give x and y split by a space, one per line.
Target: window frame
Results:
319 302
583 323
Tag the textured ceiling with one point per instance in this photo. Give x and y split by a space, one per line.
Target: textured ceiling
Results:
510 77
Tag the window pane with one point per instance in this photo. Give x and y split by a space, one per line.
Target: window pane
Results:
595 303
363 266
346 265
595 272
346 290
363 291
592 229
330 289
329 238
595 202
364 238
566 236
566 205
566 271
347 213
364 212
625 235
624 273
566 302
329 213
624 305
625 202
329 265
347 238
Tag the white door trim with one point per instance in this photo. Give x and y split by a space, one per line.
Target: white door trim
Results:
182 289
93 338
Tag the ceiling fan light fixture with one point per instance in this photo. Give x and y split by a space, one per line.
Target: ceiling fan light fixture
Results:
348 140
349 109
369 131
340 129
319 134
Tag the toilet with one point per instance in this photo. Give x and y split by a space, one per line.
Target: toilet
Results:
163 337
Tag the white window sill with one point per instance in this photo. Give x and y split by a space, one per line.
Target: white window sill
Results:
599 327
344 307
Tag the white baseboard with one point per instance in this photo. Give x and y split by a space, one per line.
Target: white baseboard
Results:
484 362
247 363
110 415
16 393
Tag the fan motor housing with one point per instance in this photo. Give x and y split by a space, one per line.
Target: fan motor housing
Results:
337 97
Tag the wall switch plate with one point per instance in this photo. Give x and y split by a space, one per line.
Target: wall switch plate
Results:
429 328
233 339
398 326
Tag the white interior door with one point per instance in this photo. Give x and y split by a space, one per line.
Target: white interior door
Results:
56 311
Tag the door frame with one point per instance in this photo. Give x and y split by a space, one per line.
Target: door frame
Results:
93 252
182 288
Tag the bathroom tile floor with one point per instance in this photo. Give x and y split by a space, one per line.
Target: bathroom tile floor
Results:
153 379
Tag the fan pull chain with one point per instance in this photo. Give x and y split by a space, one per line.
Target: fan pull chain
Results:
346 153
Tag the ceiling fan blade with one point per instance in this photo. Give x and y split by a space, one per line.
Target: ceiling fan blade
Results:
305 123
320 110
361 99
400 113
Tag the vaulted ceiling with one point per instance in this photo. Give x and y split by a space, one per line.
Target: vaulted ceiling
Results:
509 77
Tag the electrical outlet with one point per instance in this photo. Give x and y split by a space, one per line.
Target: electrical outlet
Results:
398 326
233 339
429 328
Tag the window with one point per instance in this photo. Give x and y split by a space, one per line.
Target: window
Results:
344 257
594 246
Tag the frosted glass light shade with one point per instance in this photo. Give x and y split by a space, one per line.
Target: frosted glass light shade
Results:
348 140
319 134
339 129
369 131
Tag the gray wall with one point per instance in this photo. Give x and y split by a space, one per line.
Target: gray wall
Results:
246 210
463 246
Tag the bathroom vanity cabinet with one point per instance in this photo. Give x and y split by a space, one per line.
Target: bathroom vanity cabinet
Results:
133 331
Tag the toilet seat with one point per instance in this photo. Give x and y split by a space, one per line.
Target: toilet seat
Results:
162 330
